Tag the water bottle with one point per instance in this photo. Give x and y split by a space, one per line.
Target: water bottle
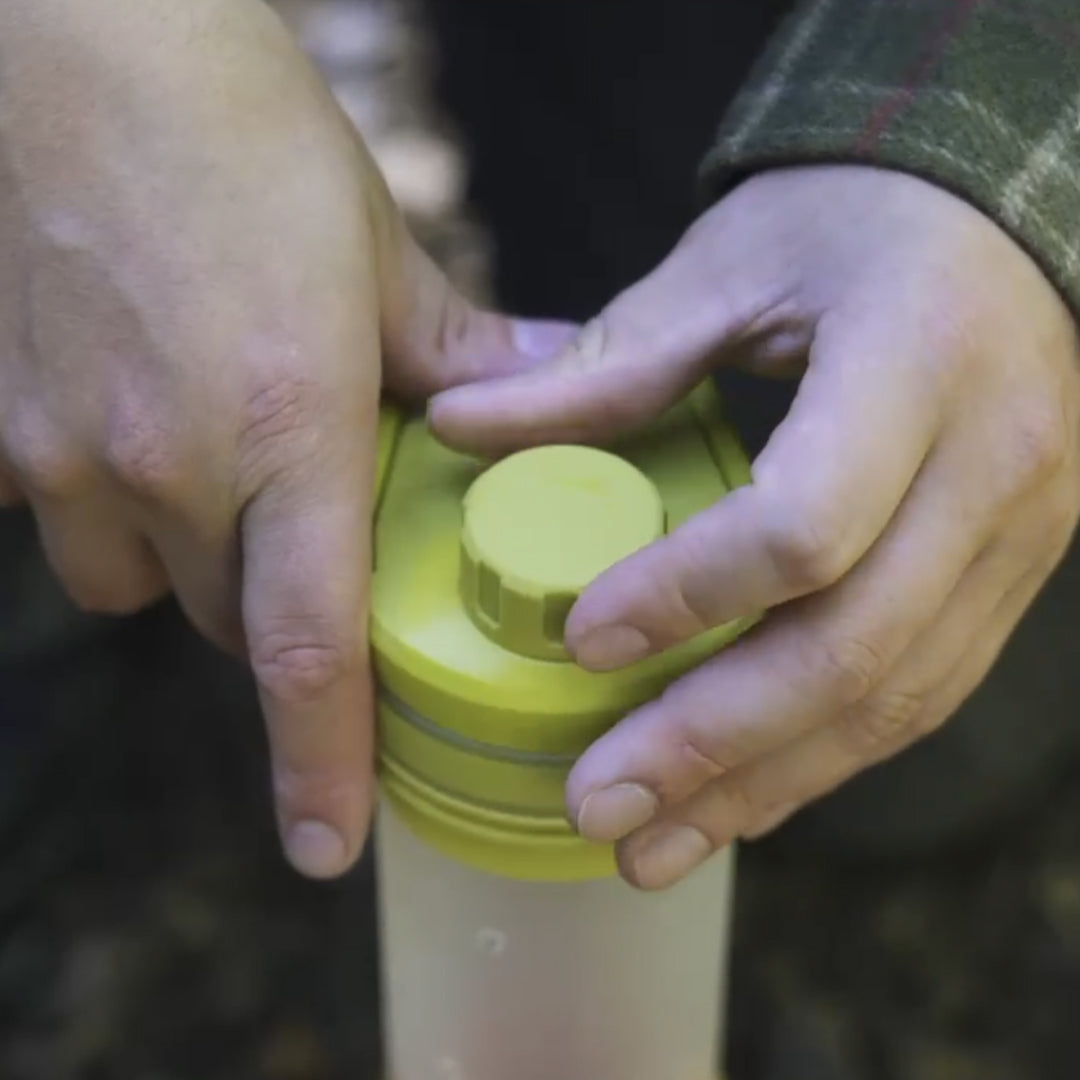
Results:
510 950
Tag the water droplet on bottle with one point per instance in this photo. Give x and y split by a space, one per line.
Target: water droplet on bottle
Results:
490 941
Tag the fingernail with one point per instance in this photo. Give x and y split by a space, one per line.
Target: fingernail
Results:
612 647
612 813
316 849
540 340
669 856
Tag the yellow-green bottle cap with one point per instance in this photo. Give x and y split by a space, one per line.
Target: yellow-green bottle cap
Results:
481 714
538 528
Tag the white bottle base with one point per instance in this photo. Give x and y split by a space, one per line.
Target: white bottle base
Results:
486 978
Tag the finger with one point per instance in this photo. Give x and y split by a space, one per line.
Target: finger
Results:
305 563
994 593
202 561
751 803
806 664
434 338
906 708
646 350
104 564
823 489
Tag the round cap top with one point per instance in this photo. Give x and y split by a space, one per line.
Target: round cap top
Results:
538 528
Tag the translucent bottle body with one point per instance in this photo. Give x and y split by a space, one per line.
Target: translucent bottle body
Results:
489 978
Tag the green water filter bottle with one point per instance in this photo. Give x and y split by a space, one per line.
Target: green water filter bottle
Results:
510 948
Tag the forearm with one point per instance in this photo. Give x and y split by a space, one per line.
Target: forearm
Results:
982 99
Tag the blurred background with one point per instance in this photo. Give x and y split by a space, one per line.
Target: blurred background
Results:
152 932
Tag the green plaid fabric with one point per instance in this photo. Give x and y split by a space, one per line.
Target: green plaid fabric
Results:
980 96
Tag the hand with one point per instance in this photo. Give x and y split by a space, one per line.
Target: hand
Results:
199 270
901 519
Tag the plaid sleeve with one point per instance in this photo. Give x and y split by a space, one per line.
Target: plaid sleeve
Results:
979 96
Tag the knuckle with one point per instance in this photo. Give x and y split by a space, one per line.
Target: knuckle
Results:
687 587
141 457
806 553
849 666
706 753
330 787
707 756
884 722
44 460
300 664
273 421
1039 445
693 611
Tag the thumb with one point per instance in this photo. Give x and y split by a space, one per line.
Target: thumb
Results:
434 338
646 350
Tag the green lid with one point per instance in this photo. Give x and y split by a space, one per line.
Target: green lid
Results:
482 715
539 527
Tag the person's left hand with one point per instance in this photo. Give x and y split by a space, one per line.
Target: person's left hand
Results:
900 521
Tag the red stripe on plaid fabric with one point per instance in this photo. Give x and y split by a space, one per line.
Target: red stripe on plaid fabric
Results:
960 11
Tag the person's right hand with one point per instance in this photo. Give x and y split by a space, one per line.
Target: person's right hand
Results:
200 269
